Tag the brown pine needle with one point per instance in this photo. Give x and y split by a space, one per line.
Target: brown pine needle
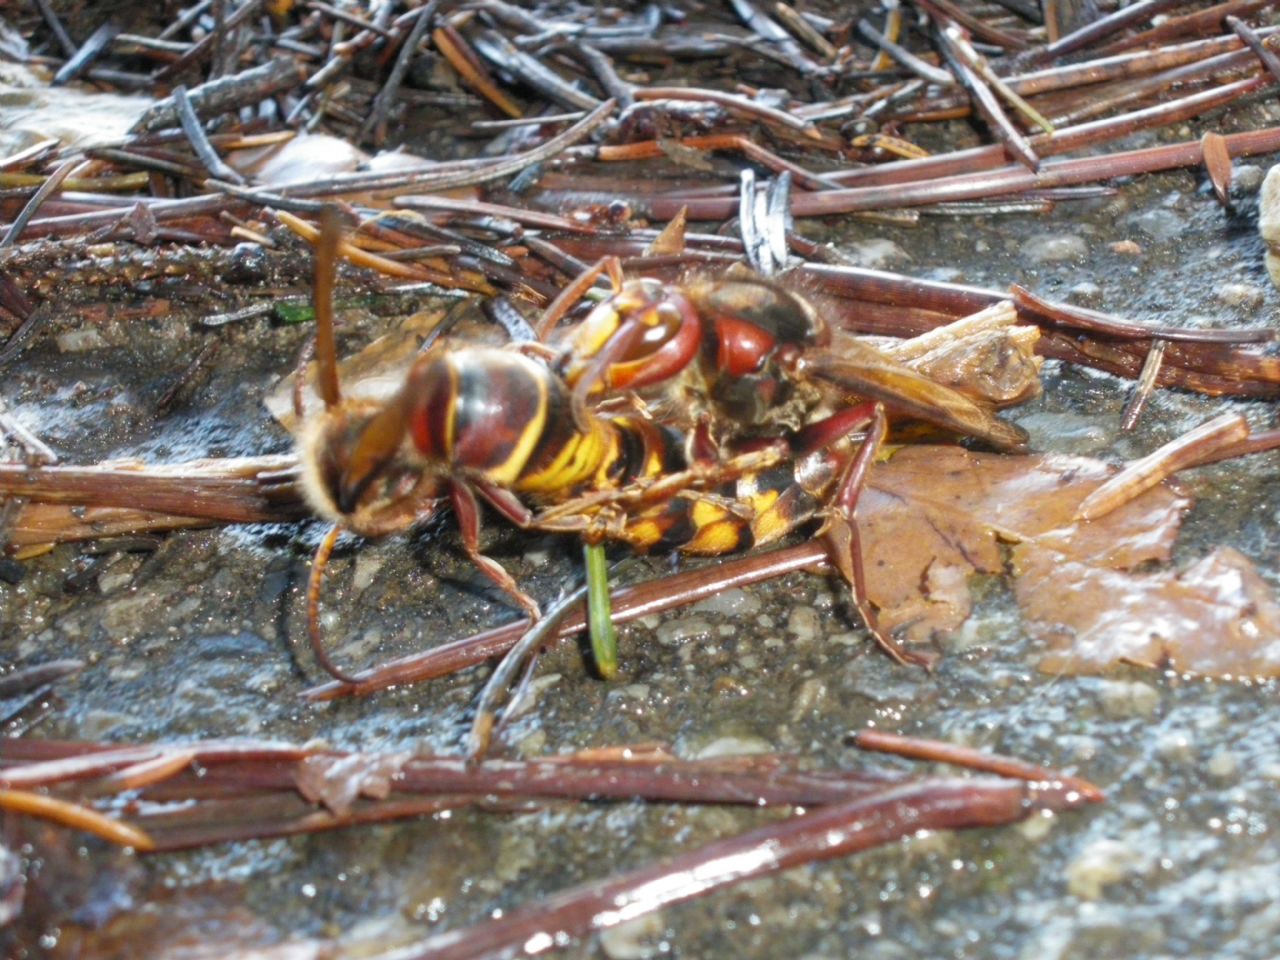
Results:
835 831
1143 474
1145 385
892 32
454 49
963 61
1256 44
347 250
148 773
1217 161
76 817
939 751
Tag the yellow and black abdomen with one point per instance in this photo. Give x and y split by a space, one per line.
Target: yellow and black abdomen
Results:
509 419
754 509
503 416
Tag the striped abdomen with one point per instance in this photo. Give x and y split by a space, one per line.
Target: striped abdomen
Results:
503 417
506 418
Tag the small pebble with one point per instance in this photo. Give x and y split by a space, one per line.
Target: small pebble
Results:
1175 747
850 638
1055 248
732 747
637 939
683 629
631 691
1244 295
1126 248
1103 863
809 695
729 603
538 556
825 595
368 565
124 614
116 577
1037 826
804 624
249 264
1159 223
80 341
948 275
1246 178
878 254
1081 748
1121 698
534 745
1223 765
1085 293
1269 220
1210 720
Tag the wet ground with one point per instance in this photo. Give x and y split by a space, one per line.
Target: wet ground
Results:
201 637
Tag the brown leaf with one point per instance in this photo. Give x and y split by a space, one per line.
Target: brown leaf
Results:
671 239
301 159
374 373
337 782
1217 618
986 356
933 516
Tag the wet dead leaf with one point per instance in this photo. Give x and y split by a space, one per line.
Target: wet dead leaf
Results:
337 782
1217 618
671 239
986 356
374 373
308 156
933 516
78 117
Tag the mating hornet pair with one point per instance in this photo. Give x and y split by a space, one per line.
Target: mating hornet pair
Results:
705 417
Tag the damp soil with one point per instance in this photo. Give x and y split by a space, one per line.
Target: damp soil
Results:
200 634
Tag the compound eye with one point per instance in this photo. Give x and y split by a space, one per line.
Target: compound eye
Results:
669 316
648 331
661 322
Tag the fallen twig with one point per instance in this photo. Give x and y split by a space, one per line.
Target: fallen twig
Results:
835 831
